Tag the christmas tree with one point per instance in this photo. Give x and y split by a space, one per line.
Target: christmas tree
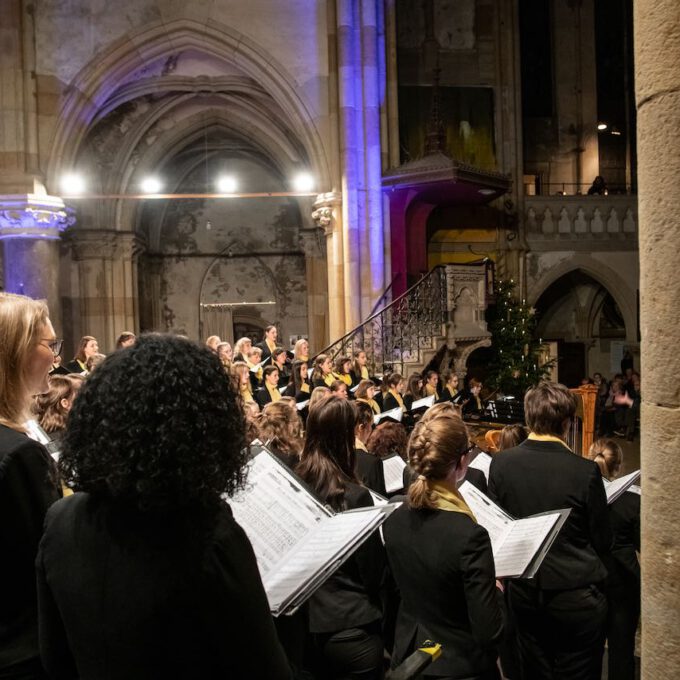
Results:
514 364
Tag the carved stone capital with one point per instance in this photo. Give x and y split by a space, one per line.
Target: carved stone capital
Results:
105 244
32 216
325 207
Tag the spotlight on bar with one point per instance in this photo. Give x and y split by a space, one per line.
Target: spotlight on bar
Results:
151 185
303 182
72 184
227 185
602 126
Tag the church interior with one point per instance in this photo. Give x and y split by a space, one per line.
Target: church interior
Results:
364 174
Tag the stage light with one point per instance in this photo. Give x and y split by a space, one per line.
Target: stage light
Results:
72 184
303 182
227 185
602 126
151 185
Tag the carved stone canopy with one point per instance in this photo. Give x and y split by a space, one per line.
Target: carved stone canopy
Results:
324 207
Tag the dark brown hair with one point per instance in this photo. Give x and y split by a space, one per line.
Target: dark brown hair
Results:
361 391
547 406
339 363
511 436
80 354
295 377
50 413
364 413
327 463
413 389
394 380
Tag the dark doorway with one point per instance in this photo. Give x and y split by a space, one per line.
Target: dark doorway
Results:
571 362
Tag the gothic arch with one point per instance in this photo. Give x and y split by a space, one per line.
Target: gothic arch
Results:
107 72
604 275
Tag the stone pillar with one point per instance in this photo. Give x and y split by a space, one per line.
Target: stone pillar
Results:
657 78
314 243
328 215
30 227
108 286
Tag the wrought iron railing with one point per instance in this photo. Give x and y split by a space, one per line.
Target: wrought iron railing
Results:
399 333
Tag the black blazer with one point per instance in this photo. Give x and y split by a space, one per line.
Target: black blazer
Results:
389 403
27 489
124 594
624 517
351 597
542 476
266 352
370 471
443 567
262 397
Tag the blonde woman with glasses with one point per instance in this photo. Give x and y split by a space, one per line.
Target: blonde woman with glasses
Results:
28 484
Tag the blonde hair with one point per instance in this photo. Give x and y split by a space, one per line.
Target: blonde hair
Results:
443 408
608 455
318 394
21 322
238 346
434 449
298 347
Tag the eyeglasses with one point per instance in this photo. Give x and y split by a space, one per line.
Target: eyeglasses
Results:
469 449
54 345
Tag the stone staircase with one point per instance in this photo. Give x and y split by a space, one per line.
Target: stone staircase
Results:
441 316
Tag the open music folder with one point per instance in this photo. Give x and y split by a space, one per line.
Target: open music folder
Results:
482 461
519 545
393 470
395 414
619 486
298 542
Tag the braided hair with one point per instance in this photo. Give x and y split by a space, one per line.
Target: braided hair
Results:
434 449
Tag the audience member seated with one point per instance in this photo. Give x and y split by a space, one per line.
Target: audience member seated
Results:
144 572
623 578
28 479
441 560
560 615
345 612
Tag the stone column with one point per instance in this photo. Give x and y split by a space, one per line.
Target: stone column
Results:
328 215
107 273
657 78
30 228
314 243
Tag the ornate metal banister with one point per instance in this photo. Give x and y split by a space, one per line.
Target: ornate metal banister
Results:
399 332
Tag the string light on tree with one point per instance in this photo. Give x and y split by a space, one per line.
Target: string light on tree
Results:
514 365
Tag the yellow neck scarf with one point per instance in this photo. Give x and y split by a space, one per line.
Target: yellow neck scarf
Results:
548 438
429 390
448 498
397 396
304 387
358 444
364 373
271 345
246 394
273 392
328 379
345 377
372 403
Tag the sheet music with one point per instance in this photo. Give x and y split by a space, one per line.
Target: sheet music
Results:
425 402
487 513
36 433
324 546
301 405
618 486
309 373
634 488
521 543
355 388
514 542
256 368
482 462
275 511
393 470
395 414
378 500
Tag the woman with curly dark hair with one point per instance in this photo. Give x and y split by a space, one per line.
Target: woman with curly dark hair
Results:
344 613
388 438
144 572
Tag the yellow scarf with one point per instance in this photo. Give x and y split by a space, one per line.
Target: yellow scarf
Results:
358 444
364 373
329 379
246 394
452 392
304 387
273 392
372 403
397 396
429 390
345 377
548 438
448 498
272 346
